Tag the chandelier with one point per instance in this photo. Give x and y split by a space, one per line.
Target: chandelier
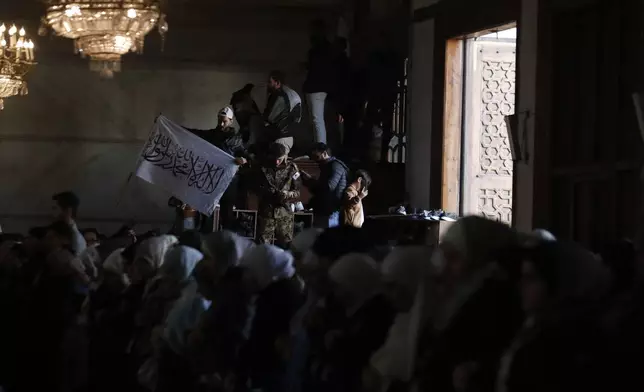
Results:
104 30
16 59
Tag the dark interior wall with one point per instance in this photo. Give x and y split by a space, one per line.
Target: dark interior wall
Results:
592 184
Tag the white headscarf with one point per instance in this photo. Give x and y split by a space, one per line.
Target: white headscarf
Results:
226 248
268 264
544 235
184 317
303 242
301 248
179 263
357 275
410 267
153 250
478 239
115 262
582 281
480 242
407 266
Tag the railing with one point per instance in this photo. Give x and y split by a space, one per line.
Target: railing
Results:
397 147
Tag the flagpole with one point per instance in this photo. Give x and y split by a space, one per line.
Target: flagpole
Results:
129 177
123 189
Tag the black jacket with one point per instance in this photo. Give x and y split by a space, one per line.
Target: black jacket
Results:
320 66
329 188
342 90
229 140
283 109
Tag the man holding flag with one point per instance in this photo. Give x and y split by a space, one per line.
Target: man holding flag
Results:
225 137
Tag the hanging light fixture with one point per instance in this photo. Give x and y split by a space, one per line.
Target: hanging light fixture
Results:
104 30
16 59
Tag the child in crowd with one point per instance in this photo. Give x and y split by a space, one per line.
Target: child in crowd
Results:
352 210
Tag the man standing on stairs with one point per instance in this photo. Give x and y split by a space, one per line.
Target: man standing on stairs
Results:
225 137
319 78
283 110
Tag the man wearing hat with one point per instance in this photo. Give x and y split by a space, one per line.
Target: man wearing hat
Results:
229 140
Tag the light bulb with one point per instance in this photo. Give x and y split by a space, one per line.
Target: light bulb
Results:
2 29
3 43
73 11
13 30
131 13
120 40
30 44
22 32
20 44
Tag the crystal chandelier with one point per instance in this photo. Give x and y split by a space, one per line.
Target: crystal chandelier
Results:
104 30
16 59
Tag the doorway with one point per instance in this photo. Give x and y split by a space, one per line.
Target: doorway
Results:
479 96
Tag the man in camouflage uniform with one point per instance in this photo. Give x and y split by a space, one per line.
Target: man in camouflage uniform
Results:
277 184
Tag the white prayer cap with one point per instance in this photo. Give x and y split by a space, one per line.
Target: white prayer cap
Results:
227 112
544 235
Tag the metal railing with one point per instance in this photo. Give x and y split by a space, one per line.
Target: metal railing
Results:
396 149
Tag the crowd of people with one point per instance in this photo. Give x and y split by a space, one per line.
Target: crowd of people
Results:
359 100
261 141
487 309
267 171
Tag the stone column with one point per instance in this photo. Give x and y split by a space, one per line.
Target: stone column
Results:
421 74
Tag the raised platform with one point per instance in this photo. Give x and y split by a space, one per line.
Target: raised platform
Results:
387 189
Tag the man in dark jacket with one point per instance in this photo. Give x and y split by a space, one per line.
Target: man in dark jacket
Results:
226 138
283 110
328 189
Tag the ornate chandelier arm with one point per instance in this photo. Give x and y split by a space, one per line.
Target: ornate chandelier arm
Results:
105 30
16 59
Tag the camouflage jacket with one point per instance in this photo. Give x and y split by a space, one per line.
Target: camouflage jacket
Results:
276 188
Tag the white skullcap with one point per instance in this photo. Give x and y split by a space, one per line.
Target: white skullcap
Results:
227 112
544 235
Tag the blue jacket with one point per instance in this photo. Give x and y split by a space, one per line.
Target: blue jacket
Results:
329 188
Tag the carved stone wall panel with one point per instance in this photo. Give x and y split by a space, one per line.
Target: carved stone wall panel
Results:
495 204
490 96
497 101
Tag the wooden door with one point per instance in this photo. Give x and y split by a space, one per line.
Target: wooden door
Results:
487 159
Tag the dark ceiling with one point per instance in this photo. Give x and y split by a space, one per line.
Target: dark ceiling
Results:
232 32
184 11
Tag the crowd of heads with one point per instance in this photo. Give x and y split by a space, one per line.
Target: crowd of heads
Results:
487 309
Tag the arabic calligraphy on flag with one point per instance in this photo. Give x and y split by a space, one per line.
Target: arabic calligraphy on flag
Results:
193 170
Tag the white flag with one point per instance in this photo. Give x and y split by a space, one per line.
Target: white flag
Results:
193 170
